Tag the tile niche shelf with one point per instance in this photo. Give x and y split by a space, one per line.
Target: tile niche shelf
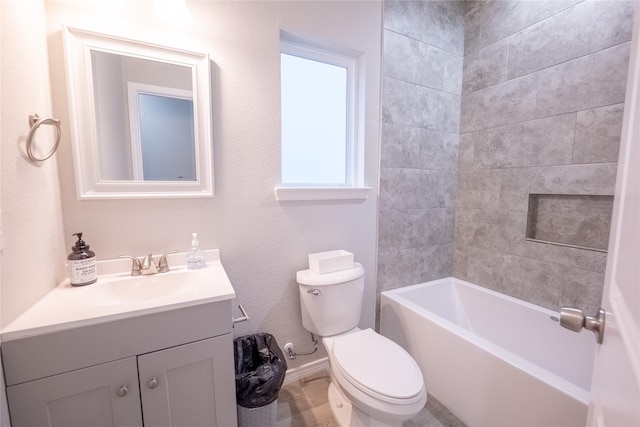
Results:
579 221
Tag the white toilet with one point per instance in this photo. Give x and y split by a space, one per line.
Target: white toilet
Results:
374 381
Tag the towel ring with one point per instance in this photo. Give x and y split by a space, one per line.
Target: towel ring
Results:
35 121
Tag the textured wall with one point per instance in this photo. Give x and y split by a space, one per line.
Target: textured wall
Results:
543 91
32 246
422 78
33 255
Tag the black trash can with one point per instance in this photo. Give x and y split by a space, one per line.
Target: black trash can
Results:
260 369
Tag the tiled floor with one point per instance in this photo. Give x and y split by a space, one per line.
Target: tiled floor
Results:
304 403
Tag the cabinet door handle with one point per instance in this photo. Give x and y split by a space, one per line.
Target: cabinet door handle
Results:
153 383
122 391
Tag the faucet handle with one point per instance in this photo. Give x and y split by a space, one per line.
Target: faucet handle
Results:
163 265
136 266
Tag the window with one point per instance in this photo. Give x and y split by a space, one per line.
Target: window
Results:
320 146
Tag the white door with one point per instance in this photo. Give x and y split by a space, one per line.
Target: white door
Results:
100 396
189 385
615 393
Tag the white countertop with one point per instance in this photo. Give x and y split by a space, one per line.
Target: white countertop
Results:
118 295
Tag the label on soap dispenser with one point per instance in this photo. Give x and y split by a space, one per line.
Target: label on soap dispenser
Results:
83 271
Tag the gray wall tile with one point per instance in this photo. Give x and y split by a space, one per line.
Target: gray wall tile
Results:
409 189
510 102
598 133
466 154
428 22
458 6
540 142
514 188
406 267
404 17
479 189
413 61
421 114
592 81
473 27
566 256
434 262
503 18
520 277
580 30
401 146
588 179
431 227
415 228
418 148
530 280
396 269
413 105
486 67
499 231
394 230
447 187
460 260
443 28
452 81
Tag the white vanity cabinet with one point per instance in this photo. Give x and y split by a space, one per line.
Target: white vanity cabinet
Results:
168 368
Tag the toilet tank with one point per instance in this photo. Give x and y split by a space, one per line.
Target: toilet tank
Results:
331 303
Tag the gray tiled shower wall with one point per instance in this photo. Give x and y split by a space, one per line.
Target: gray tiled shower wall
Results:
422 86
484 103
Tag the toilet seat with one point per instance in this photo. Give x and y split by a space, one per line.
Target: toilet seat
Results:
378 367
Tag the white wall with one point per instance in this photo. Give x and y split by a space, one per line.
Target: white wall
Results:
32 258
34 247
263 242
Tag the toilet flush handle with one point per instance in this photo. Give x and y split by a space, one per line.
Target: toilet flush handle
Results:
315 292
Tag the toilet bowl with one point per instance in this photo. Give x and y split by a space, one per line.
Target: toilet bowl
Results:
377 376
374 381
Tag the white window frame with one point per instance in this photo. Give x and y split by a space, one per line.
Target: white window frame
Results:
353 188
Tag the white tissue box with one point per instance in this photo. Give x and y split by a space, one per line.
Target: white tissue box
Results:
328 262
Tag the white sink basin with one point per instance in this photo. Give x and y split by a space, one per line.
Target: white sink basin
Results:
120 295
119 289
141 288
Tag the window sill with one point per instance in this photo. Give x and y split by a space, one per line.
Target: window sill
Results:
286 194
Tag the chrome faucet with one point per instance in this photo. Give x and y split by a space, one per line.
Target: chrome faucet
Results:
147 266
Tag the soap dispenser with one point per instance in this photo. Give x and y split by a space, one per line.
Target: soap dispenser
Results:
195 258
82 264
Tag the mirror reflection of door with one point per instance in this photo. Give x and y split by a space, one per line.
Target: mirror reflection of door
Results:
162 133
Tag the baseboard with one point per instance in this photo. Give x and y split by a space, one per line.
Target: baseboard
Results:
307 370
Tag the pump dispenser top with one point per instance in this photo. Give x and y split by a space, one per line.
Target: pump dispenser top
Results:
195 258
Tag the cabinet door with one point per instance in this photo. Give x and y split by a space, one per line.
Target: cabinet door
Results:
105 395
189 385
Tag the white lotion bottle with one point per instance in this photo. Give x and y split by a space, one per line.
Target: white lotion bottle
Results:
195 258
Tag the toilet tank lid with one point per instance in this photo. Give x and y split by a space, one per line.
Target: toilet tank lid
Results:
311 278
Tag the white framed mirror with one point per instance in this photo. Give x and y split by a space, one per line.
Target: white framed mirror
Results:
140 118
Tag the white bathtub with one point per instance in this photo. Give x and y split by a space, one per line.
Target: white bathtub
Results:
491 359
